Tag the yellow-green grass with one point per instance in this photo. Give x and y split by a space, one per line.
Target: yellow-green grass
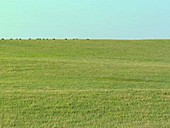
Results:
84 83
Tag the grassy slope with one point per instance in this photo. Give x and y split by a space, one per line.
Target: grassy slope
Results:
85 83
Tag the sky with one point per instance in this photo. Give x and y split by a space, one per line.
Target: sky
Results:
96 19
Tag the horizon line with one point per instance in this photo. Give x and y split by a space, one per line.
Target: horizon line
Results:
84 38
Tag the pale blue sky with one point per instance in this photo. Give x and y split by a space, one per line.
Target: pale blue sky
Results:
109 19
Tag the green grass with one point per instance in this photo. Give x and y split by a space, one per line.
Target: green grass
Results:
84 83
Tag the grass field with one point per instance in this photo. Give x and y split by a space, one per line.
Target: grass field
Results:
84 83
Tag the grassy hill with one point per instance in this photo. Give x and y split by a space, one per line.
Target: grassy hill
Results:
84 83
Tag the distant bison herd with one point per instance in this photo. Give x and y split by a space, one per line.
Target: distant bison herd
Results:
39 39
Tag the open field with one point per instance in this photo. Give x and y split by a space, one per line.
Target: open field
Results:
84 83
